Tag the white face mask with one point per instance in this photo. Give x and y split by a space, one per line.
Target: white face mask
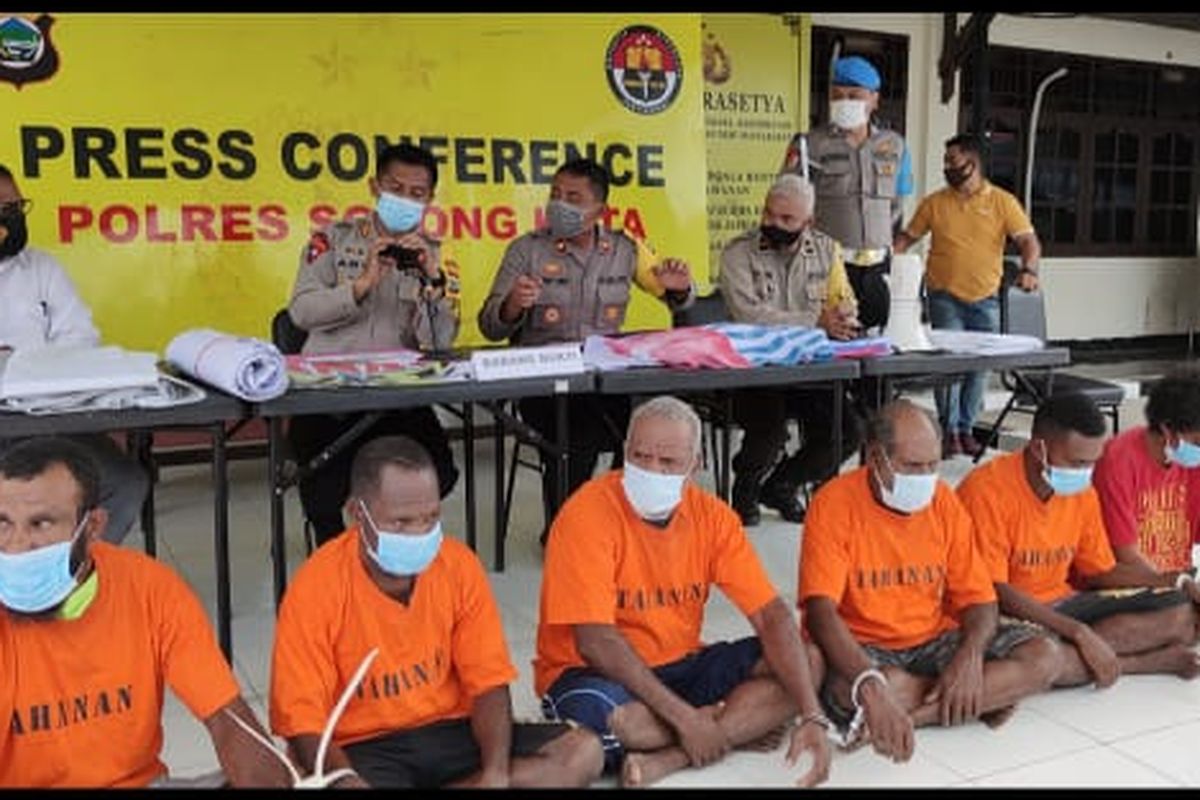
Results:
848 114
909 493
653 495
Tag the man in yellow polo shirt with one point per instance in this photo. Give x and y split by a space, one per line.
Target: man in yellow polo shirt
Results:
970 220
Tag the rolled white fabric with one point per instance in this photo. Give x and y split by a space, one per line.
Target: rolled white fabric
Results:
248 368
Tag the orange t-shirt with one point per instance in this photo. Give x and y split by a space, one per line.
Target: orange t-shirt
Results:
1029 544
898 579
84 697
436 655
606 565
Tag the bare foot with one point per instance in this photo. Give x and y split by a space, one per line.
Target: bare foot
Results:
643 769
994 719
1185 662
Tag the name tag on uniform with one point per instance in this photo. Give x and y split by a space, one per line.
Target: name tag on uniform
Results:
527 362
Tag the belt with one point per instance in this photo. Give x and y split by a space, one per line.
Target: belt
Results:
865 257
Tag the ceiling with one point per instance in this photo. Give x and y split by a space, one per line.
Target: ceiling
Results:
1186 21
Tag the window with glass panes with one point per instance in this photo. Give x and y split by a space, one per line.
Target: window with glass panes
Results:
1117 151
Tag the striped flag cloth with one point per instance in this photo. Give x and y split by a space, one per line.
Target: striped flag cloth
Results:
762 345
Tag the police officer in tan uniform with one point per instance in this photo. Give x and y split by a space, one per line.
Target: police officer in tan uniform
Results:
374 283
564 283
786 273
861 173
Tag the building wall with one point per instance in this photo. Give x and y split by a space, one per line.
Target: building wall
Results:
1085 298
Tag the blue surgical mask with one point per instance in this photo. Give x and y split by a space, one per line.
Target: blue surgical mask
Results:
653 495
38 580
1065 481
909 493
1185 454
398 214
403 554
564 219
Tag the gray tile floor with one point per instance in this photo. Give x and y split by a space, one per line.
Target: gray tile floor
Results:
1141 732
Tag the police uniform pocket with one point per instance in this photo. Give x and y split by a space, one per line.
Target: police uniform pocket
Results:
886 169
613 295
816 286
551 308
765 287
834 177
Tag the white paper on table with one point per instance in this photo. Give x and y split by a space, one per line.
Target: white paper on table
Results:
981 343
40 371
248 368
169 391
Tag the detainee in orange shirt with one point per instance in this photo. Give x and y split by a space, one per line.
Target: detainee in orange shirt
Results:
1038 522
631 560
434 707
91 634
901 603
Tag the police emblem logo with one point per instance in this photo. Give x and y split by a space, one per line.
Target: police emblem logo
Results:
551 315
26 52
644 69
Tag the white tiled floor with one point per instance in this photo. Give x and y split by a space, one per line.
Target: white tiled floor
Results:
1142 732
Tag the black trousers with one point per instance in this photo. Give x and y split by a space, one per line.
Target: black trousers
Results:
596 424
763 415
324 492
871 291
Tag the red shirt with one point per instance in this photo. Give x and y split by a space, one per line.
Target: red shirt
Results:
1153 507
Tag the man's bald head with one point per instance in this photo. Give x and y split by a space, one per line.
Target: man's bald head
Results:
905 435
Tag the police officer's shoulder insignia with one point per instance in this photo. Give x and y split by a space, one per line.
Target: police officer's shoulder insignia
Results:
551 315
552 269
318 245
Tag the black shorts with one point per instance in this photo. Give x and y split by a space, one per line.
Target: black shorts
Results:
437 754
1091 607
929 659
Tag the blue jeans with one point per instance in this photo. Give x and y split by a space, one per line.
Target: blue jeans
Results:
959 403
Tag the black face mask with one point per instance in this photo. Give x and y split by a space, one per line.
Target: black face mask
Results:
957 177
18 235
778 237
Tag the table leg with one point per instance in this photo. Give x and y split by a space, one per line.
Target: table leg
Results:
838 410
564 456
500 524
468 423
144 446
221 540
275 469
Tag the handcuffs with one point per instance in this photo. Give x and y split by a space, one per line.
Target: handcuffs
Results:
851 735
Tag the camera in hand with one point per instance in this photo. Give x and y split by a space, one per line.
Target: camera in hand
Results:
406 259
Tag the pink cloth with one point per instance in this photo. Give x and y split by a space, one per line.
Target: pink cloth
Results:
689 348
1155 508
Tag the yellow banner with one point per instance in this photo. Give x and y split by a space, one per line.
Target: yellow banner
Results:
179 163
752 107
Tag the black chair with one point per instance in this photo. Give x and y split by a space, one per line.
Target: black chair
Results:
1024 313
290 339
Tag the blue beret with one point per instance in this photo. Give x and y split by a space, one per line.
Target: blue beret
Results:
856 71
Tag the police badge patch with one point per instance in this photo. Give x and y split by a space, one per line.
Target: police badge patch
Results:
318 245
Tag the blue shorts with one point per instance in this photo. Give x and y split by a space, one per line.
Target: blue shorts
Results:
702 678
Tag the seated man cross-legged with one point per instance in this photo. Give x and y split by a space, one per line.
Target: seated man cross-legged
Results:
900 602
1038 523
629 566
434 707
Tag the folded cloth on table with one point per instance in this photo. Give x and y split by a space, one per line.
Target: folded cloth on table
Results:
166 392
786 345
982 343
688 348
41 371
869 347
248 368
379 368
